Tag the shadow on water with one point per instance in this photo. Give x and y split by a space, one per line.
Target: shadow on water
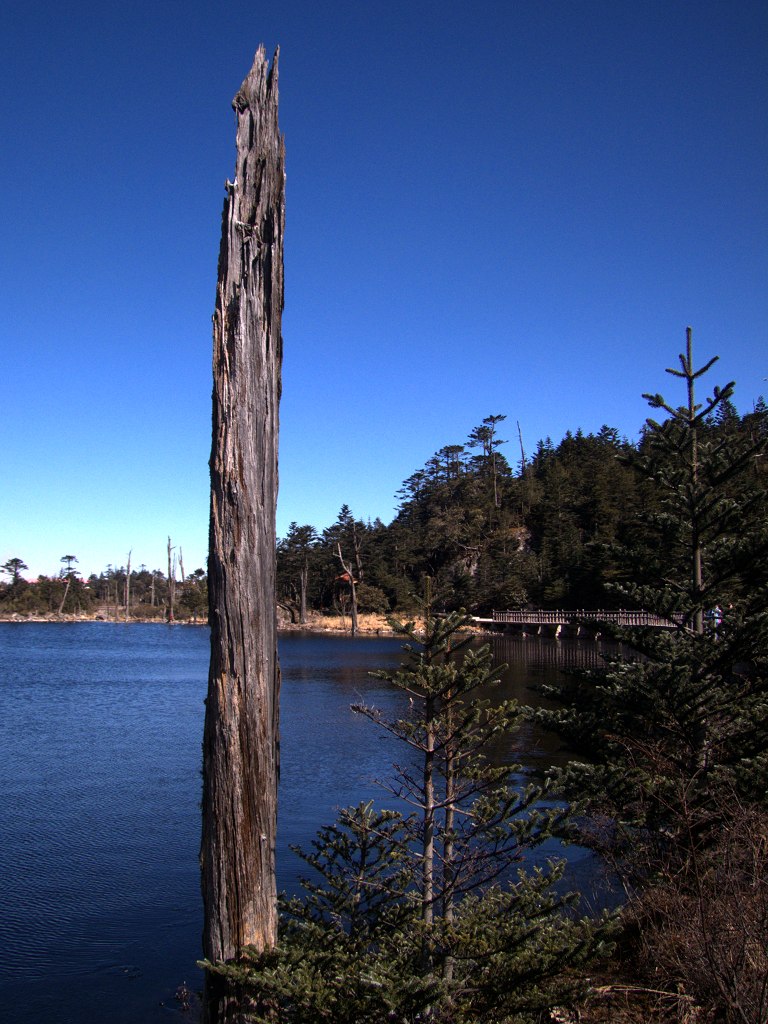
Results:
350 757
532 663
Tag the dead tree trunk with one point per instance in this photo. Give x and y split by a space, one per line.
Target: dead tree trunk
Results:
303 585
171 583
64 599
349 573
240 745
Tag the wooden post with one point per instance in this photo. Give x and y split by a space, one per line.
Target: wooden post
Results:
240 745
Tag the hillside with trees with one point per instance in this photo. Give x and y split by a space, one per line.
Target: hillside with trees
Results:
559 530
411 916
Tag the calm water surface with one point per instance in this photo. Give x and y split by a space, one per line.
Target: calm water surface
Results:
100 732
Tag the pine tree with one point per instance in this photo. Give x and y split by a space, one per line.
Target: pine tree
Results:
430 913
676 730
471 822
294 555
675 727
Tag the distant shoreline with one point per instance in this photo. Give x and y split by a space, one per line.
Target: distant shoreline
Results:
16 618
327 625
370 625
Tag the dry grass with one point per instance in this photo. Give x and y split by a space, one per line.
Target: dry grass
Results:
618 1001
696 948
368 623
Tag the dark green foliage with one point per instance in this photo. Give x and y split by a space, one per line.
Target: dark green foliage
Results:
372 599
487 538
297 570
709 525
676 730
14 568
673 738
472 821
191 599
583 499
425 913
579 517
514 950
104 594
66 593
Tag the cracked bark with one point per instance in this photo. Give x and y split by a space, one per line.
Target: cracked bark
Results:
240 744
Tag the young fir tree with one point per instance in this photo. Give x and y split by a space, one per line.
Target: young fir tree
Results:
429 914
676 731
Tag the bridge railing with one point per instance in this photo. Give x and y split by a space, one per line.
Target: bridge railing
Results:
561 617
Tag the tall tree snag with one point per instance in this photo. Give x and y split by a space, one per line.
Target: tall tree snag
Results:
240 745
171 583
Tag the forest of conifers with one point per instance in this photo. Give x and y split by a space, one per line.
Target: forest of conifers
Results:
553 532
669 737
668 740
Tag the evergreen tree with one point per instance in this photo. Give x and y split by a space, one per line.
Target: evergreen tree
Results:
14 568
491 463
677 728
294 557
419 915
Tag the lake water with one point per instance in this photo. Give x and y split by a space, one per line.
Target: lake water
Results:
100 732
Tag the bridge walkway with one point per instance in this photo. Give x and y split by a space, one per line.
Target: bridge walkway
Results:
578 617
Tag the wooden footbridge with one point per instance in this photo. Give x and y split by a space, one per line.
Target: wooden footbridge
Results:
538 618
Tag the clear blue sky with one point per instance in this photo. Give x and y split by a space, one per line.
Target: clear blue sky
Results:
508 207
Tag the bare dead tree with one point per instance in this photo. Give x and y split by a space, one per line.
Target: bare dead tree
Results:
240 745
181 571
69 559
349 577
128 588
66 591
524 476
171 582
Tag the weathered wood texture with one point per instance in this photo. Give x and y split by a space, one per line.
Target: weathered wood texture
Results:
240 746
